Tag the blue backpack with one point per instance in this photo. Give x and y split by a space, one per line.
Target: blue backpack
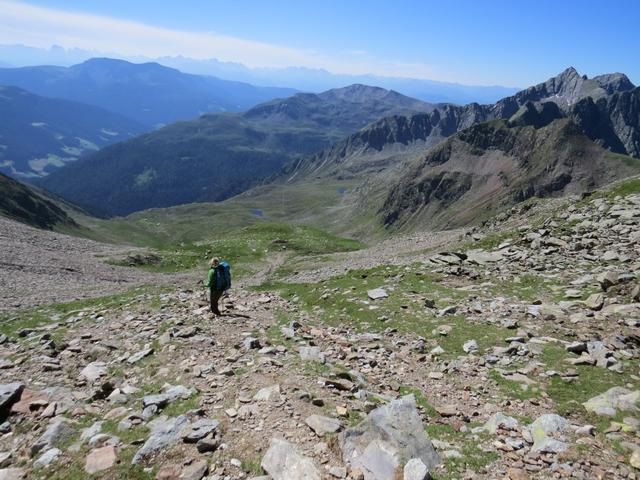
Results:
223 276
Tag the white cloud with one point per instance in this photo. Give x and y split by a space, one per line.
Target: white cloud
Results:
42 27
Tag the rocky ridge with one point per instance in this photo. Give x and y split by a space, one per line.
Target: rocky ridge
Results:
606 109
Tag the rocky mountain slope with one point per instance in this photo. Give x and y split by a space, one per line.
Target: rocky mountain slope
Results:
497 164
149 93
39 135
218 156
606 107
557 137
513 354
27 205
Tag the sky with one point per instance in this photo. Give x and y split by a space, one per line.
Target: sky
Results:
512 43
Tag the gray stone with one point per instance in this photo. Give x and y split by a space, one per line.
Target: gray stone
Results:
390 436
9 394
90 432
160 400
312 354
470 346
482 257
268 394
100 459
136 357
377 293
59 431
195 471
47 458
338 472
415 469
544 426
13 474
5 459
614 399
323 425
500 420
199 429
5 364
94 371
595 301
607 280
164 433
282 461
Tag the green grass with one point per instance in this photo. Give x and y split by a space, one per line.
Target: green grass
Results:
491 241
527 287
513 389
274 332
181 407
343 301
245 247
591 381
73 469
252 466
421 401
139 432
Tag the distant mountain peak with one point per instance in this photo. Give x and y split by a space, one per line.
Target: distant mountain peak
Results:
569 87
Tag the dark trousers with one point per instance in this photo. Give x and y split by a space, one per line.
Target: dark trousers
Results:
215 296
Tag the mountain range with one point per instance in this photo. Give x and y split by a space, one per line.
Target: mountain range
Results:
300 78
219 155
607 109
362 158
39 134
149 93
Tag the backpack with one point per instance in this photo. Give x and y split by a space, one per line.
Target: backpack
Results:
223 276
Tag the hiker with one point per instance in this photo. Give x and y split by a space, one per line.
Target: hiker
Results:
218 282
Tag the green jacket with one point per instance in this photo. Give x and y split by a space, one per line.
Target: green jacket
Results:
210 278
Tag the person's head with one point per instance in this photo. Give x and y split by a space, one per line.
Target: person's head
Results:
214 262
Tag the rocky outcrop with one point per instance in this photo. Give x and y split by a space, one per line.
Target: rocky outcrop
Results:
387 439
494 165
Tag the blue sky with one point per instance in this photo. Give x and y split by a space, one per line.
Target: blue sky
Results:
512 43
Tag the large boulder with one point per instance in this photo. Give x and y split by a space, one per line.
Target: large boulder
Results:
9 394
164 433
387 439
613 400
283 462
542 431
58 432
